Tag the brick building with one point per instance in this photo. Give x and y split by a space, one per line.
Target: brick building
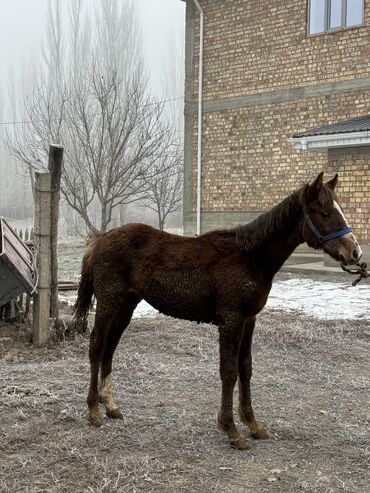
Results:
273 70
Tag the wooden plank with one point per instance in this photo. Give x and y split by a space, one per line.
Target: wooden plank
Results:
67 286
55 169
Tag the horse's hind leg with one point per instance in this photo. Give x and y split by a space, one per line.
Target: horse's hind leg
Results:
245 372
105 313
119 324
230 335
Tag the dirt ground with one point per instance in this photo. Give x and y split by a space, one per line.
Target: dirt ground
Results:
310 386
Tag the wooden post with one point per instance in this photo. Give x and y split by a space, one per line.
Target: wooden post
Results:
55 169
41 302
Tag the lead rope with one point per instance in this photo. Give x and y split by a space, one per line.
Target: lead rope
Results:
362 270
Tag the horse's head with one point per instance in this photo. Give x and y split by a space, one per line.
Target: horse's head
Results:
324 223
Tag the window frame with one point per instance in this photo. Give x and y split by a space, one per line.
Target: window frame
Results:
327 28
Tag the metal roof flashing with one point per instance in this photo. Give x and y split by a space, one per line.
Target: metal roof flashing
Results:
331 141
349 133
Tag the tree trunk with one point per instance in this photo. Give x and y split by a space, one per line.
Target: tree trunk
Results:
104 218
32 179
160 222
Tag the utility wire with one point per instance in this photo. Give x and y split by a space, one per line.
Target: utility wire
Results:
14 123
144 106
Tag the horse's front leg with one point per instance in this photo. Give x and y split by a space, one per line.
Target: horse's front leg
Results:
230 336
245 373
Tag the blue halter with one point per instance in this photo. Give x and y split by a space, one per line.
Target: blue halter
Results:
330 236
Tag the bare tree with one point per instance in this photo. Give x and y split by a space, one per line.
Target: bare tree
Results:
114 143
164 189
92 96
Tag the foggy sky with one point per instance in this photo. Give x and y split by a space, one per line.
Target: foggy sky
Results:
22 27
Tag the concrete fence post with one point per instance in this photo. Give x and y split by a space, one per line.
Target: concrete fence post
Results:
42 238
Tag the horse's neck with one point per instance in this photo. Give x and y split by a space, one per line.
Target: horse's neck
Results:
282 242
272 256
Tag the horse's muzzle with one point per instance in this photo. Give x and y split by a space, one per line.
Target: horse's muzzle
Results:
350 254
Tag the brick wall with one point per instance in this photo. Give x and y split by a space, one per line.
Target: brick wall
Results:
261 48
248 161
353 166
253 46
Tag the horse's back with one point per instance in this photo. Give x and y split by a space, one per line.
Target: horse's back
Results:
170 272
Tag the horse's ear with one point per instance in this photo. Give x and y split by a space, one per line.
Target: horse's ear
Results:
333 182
313 190
317 184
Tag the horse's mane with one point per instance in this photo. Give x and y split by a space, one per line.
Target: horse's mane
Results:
254 234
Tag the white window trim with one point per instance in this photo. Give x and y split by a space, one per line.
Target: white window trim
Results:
332 141
327 28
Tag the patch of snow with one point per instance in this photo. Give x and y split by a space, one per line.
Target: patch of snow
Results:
69 240
324 300
143 309
175 231
65 297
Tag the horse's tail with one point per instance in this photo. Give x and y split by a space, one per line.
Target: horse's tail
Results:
85 290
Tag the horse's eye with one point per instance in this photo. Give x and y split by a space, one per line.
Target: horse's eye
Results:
324 213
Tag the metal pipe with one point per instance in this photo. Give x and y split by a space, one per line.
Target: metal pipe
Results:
200 113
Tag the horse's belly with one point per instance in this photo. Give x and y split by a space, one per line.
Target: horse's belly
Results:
185 312
180 299
200 310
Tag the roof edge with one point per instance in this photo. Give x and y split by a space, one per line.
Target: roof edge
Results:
331 141
358 124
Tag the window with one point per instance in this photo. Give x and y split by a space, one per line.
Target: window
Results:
327 15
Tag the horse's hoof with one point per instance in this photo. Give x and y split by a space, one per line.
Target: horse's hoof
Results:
239 443
115 413
95 421
260 434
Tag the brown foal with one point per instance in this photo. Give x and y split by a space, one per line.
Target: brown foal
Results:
221 277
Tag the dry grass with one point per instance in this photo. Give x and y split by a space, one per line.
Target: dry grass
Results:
311 387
